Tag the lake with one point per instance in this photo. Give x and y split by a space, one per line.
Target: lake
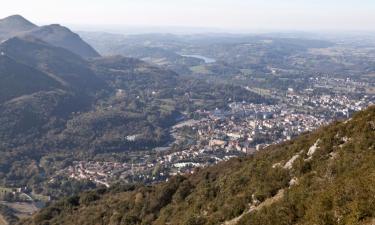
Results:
206 59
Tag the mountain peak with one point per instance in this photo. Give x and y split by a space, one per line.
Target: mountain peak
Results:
17 21
53 34
14 17
61 36
14 25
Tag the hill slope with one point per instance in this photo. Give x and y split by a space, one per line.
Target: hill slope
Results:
326 177
64 66
14 25
63 37
18 79
54 34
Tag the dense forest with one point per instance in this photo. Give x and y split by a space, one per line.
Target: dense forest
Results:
324 177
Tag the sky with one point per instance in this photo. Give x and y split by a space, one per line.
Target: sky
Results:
239 15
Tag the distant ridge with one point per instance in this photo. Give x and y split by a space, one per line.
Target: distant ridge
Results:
63 65
61 36
54 34
14 25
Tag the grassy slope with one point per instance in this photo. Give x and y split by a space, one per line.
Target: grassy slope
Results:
335 186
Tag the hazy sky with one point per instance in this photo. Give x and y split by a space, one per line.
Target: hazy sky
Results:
226 14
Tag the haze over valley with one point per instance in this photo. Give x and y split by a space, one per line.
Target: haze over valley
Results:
101 125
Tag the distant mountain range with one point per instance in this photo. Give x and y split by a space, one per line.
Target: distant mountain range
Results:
53 34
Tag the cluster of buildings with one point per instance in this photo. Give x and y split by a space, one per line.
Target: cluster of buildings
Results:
106 173
156 168
339 85
247 127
